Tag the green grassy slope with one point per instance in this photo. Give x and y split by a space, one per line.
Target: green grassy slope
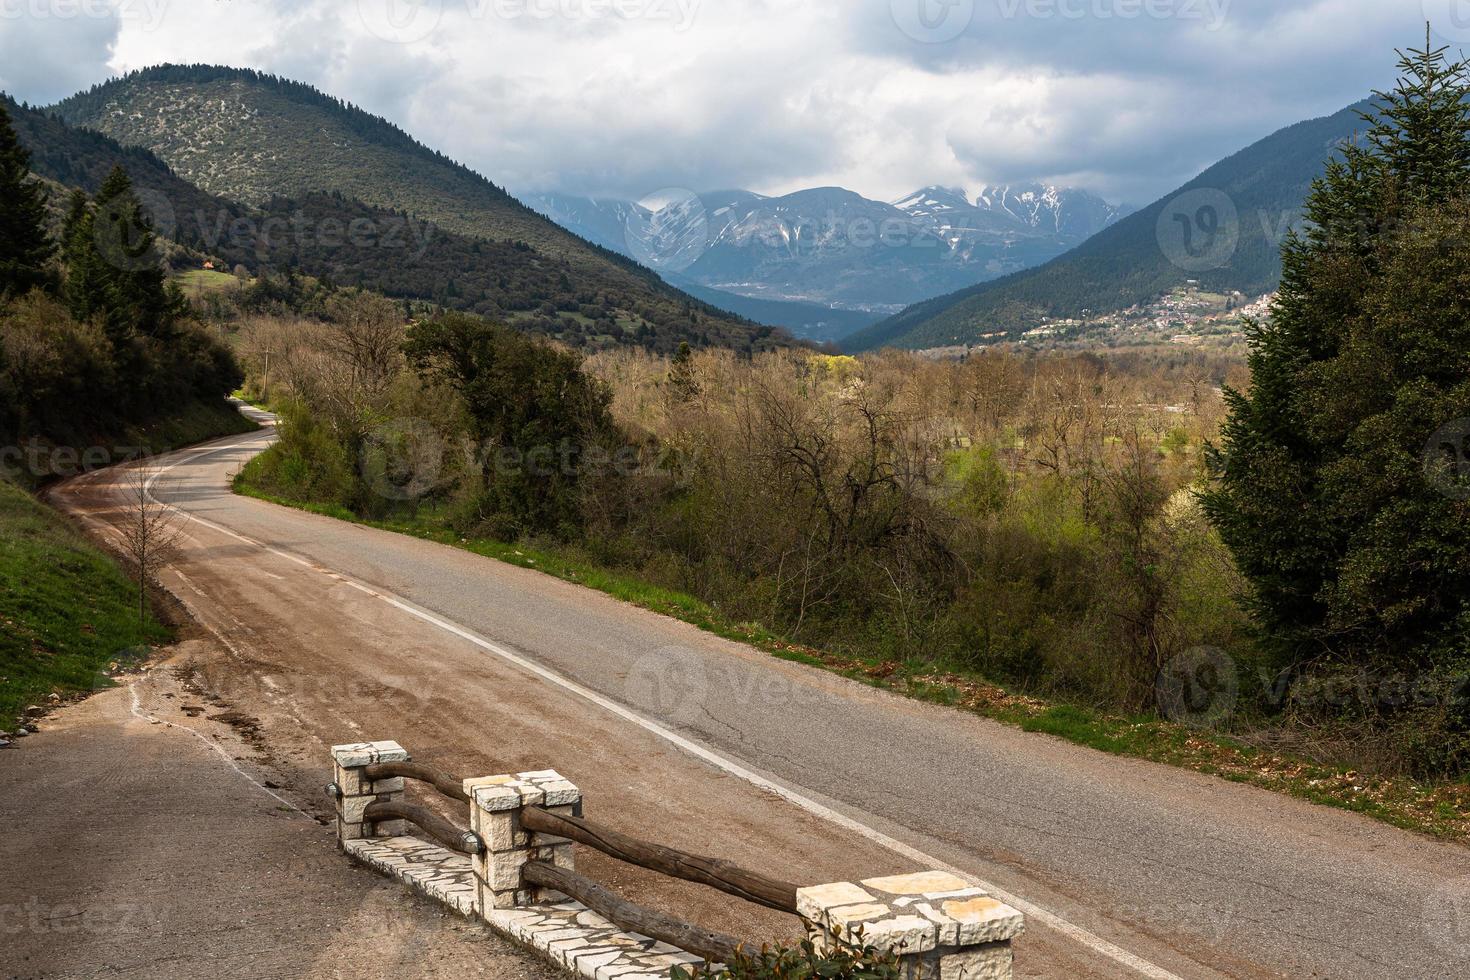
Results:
1125 264
66 610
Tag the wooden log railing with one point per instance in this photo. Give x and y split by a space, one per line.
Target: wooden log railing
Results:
713 946
526 827
451 836
716 873
437 778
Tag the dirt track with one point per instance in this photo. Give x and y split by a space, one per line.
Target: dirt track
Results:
335 633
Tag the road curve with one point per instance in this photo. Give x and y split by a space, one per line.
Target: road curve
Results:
1125 868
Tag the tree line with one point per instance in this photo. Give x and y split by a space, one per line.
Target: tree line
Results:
92 337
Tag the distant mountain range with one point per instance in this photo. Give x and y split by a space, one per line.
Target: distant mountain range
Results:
715 269
1223 230
834 248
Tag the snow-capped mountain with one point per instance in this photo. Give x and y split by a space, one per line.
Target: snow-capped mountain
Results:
834 247
1064 211
602 221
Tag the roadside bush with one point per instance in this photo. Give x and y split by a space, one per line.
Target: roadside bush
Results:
308 464
539 424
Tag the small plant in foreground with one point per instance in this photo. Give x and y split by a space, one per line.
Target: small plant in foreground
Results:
844 962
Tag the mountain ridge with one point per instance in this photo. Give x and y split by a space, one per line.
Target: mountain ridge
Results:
253 138
1127 264
830 246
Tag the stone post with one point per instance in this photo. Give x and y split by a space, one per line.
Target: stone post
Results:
941 927
354 791
496 803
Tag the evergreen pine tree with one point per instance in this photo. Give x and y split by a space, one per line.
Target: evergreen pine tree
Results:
683 382
1319 458
24 245
138 302
85 284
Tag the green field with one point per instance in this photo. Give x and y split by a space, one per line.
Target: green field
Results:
205 280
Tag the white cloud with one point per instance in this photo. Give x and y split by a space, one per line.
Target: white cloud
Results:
630 96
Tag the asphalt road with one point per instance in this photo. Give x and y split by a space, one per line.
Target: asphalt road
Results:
138 845
1125 868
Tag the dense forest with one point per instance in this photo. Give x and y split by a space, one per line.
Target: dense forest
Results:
93 341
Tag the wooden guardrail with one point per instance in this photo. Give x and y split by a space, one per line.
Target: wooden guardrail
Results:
444 831
722 875
713 946
523 828
437 778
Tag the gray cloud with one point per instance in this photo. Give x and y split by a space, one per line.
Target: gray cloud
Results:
1130 97
50 50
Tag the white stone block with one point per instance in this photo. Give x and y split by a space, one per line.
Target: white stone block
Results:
983 920
499 829
351 808
352 782
359 754
994 962
495 797
949 929
560 793
379 786
924 883
813 903
505 869
903 934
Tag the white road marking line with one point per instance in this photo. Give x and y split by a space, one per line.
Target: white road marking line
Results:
138 712
1053 921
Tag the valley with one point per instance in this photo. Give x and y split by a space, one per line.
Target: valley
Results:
782 574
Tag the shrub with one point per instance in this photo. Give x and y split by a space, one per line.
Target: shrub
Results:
802 962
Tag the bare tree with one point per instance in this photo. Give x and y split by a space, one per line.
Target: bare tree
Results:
150 528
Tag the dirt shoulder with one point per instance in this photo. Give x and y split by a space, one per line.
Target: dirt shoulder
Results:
152 831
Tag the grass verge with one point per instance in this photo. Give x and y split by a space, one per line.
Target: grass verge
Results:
68 612
70 615
1440 810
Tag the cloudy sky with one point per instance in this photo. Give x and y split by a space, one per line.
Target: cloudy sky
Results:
631 97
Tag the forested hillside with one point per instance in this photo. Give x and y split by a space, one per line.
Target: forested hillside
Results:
256 138
590 304
1124 265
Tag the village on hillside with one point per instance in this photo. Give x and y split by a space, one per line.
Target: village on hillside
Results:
1185 316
